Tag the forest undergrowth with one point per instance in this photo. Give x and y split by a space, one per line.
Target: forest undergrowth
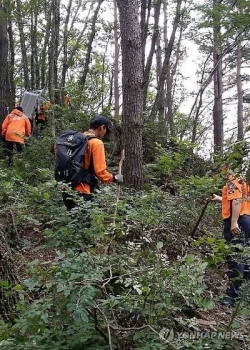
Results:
134 280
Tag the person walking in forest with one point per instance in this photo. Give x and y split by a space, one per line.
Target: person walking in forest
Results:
94 162
236 217
42 113
15 126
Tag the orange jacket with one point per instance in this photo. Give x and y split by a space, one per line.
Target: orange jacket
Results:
43 112
97 153
235 190
15 126
67 101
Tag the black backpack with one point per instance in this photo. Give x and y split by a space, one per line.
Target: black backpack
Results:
70 150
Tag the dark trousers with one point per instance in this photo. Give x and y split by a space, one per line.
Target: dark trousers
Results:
237 270
10 149
70 201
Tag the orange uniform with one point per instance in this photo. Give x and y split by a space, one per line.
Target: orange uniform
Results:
43 113
96 155
67 101
235 190
15 126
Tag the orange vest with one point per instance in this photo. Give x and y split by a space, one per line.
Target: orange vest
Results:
95 152
15 126
235 190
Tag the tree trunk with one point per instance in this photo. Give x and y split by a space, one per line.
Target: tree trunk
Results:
8 276
19 19
158 107
53 58
171 73
11 68
116 65
65 48
34 68
145 15
45 48
147 70
132 83
218 88
3 64
89 46
239 86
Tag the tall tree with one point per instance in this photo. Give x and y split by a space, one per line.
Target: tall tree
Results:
19 17
3 63
239 83
90 42
158 106
132 84
218 87
116 64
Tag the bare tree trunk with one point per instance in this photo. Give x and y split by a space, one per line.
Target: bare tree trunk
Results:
19 19
53 58
65 47
168 50
145 15
239 86
90 42
3 64
157 10
34 67
132 91
45 48
218 88
171 73
78 40
11 91
116 65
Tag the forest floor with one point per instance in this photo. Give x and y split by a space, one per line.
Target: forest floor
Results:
207 322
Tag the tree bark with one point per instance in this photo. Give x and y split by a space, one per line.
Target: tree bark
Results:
3 64
19 19
218 87
145 15
116 65
132 84
240 135
157 10
65 48
171 73
157 106
90 42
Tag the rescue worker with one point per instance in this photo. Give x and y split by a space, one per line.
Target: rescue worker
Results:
42 114
15 126
236 217
67 102
94 161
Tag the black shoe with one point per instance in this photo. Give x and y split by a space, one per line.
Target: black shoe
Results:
227 301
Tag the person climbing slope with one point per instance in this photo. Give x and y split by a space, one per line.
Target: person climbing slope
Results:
14 128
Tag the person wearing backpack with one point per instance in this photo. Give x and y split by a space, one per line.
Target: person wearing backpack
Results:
236 218
92 163
15 126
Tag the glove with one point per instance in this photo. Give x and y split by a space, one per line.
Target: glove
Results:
118 179
3 138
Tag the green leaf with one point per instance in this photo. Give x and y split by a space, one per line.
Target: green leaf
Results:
159 245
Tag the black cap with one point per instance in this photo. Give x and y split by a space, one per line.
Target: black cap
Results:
99 120
19 108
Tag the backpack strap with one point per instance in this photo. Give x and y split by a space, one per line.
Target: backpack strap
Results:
90 169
